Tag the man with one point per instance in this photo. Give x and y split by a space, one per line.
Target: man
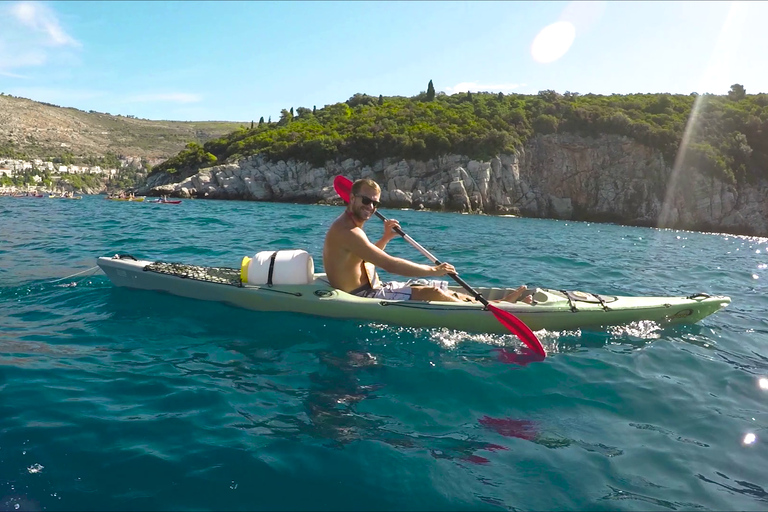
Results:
348 255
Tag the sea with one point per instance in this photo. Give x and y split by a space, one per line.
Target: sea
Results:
119 399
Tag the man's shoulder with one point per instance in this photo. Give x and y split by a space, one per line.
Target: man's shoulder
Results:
342 225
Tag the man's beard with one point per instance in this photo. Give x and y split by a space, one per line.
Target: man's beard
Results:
359 215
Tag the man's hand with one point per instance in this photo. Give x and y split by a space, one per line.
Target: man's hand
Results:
389 229
443 269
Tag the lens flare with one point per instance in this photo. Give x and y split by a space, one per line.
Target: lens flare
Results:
683 173
553 42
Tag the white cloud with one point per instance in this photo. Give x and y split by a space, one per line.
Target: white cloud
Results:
173 97
27 57
476 87
40 18
12 75
31 36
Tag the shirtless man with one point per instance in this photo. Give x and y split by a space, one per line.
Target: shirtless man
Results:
347 248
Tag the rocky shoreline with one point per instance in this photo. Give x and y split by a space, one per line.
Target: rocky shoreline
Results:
605 179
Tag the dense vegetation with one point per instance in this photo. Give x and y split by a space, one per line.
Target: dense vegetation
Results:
729 138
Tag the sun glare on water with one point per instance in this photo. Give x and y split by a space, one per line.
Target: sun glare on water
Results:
553 42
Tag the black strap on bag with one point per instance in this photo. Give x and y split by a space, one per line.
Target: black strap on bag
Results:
271 268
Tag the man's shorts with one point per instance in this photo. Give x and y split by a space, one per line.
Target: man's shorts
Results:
396 290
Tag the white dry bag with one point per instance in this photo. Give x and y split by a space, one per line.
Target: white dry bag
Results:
278 267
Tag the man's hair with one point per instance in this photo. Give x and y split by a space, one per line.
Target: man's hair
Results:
356 186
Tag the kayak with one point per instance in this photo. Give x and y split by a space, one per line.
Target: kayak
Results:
160 201
551 309
62 197
135 199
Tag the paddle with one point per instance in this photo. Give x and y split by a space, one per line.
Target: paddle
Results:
343 187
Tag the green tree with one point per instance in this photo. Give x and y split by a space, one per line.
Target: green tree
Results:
286 117
737 92
430 91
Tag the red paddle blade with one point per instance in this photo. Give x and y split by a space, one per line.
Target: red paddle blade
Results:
517 327
343 187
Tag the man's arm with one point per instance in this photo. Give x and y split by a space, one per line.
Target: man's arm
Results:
357 243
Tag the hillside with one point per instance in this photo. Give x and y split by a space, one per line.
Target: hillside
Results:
728 140
30 129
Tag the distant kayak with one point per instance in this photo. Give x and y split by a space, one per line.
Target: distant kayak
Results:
160 201
551 309
63 197
135 199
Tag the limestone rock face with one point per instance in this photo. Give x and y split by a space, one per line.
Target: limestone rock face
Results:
608 178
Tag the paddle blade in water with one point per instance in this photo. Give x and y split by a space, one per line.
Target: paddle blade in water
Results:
516 326
343 187
522 358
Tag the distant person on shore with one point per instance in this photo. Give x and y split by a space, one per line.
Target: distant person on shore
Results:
348 257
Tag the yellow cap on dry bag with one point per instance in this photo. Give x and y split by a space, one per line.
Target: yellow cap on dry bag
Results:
244 269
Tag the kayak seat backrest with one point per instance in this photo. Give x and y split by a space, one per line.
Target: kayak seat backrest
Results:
278 267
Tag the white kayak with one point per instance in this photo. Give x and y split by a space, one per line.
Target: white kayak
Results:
551 309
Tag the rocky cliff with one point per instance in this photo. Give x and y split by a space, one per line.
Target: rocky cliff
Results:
609 178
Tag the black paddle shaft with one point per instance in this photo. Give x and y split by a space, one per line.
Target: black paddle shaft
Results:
431 257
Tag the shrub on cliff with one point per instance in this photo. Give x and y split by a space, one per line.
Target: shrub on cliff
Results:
193 157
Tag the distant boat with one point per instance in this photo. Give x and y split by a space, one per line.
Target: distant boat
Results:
135 199
64 197
163 201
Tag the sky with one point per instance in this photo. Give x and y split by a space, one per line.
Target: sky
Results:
238 61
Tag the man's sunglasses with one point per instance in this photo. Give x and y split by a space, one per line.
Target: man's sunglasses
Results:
368 201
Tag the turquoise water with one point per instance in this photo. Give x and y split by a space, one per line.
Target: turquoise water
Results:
116 399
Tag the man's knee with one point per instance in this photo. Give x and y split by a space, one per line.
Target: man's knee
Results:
428 293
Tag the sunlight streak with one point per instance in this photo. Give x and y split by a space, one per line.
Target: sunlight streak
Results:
727 44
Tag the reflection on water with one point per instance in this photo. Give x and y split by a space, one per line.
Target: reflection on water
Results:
619 494
745 488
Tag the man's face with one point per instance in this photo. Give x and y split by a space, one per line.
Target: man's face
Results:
359 209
